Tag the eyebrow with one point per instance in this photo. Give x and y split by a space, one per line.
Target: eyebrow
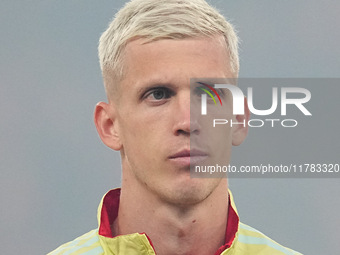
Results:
154 83
145 85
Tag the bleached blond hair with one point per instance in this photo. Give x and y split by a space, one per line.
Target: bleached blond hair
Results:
161 19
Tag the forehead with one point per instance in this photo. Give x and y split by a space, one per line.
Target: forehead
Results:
193 57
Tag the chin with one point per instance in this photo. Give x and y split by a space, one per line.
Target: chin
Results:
192 192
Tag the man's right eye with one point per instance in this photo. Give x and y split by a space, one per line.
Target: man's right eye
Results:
158 94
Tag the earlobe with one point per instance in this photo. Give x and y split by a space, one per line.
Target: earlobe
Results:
107 126
240 131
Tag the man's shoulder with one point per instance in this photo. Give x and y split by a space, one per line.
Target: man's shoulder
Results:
251 240
87 244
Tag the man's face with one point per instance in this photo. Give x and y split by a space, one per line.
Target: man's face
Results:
153 116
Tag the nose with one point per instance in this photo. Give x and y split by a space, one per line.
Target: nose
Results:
185 119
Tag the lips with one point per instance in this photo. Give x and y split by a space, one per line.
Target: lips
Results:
188 157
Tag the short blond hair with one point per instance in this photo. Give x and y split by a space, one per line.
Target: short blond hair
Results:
162 19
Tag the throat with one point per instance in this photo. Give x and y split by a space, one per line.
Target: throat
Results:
193 232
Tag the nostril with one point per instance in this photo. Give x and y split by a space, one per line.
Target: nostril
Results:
188 129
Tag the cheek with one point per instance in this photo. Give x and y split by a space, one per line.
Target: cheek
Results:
222 137
141 137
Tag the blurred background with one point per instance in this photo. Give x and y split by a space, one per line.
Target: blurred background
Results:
54 168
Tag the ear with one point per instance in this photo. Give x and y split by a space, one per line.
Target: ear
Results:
105 119
240 131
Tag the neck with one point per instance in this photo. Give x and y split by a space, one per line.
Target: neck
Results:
174 229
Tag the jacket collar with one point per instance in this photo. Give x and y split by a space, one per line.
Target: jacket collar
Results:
140 242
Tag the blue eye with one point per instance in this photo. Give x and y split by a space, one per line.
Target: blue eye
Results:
157 94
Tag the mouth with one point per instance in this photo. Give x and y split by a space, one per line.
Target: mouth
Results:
188 157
